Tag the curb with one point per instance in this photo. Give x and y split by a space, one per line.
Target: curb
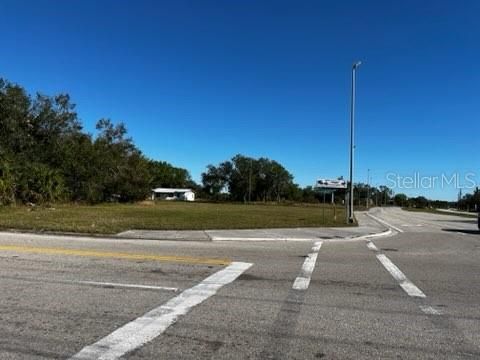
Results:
351 238
224 238
208 237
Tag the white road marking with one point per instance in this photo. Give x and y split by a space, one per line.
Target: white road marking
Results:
147 327
303 281
371 246
402 280
385 223
365 237
430 310
316 247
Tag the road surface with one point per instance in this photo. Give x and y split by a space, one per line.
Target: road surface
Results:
412 295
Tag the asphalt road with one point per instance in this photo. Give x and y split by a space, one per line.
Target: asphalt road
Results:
412 295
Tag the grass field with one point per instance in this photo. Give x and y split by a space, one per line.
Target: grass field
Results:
435 211
114 218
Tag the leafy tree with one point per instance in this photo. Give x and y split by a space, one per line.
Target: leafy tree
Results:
45 156
419 202
248 179
15 119
124 174
216 179
470 202
166 175
385 194
309 194
400 200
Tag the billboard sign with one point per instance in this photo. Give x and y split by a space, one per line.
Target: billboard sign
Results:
330 184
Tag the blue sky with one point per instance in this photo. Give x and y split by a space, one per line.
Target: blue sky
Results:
197 82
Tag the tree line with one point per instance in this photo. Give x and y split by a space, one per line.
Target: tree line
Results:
467 202
383 196
247 179
45 156
470 202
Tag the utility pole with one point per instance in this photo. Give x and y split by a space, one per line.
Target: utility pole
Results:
368 188
250 183
352 142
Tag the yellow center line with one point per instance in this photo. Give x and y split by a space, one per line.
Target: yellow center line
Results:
114 255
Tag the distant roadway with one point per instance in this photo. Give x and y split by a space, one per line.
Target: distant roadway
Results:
414 294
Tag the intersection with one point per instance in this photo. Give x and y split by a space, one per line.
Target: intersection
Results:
411 294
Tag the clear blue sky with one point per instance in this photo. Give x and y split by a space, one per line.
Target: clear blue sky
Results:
197 82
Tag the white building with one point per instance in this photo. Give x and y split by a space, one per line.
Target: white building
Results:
173 194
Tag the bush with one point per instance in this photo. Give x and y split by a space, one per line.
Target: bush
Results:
7 184
39 184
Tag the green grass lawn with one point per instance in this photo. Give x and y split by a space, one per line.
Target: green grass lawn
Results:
114 218
435 211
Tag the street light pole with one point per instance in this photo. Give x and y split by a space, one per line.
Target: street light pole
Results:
368 188
352 143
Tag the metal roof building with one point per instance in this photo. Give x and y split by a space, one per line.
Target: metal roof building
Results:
173 194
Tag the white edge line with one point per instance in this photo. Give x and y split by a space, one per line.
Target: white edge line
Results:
303 281
147 327
385 223
410 288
